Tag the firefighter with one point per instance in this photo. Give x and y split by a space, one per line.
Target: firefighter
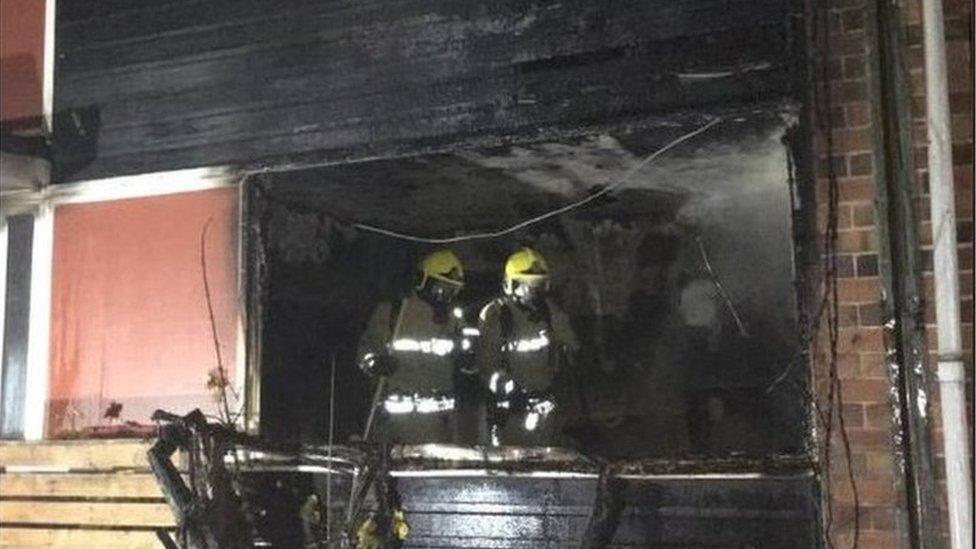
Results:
415 350
525 357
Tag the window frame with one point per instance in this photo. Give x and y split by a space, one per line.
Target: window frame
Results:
43 204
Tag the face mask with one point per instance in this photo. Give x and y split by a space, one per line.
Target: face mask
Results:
530 294
441 292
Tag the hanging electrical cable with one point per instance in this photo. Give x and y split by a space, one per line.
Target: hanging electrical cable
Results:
558 211
834 395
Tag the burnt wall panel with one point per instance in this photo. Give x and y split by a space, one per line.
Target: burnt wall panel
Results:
498 511
146 86
514 513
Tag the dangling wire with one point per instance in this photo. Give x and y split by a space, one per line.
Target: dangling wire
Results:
539 218
221 373
835 399
721 288
328 474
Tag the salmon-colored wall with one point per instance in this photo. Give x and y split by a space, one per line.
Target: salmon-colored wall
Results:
21 59
129 316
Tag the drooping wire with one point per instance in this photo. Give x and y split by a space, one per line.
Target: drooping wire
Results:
328 475
558 211
730 306
221 373
834 386
228 420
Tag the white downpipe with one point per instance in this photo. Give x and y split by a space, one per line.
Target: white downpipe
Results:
3 289
947 311
38 335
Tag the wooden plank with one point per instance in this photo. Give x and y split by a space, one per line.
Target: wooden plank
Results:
193 83
96 485
85 513
185 38
89 454
48 537
126 105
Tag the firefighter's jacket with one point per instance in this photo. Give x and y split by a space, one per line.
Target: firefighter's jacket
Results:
528 356
419 401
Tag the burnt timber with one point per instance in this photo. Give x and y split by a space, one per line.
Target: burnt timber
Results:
146 86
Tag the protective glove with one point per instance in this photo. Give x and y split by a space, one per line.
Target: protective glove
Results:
464 360
501 384
378 364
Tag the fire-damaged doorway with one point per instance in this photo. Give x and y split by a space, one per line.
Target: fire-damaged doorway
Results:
675 248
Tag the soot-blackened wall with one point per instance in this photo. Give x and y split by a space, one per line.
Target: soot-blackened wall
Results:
146 86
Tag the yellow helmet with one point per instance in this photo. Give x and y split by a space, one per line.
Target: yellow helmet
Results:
441 265
526 265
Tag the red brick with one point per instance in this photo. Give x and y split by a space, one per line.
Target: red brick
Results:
962 153
878 439
855 189
837 162
964 231
858 114
860 290
865 391
878 415
873 365
967 311
847 315
845 265
870 540
854 67
878 519
962 127
923 209
870 314
966 259
863 339
866 265
963 180
848 366
852 20
880 464
961 101
843 517
870 492
853 140
915 57
863 215
848 44
861 164
849 91
857 241
928 314
964 201
853 416
845 216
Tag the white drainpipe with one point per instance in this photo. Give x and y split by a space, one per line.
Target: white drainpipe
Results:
951 372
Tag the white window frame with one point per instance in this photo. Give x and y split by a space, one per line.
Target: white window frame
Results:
43 203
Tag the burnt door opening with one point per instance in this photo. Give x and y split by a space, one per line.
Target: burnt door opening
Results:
680 285
684 286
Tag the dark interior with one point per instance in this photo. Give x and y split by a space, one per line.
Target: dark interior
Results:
680 284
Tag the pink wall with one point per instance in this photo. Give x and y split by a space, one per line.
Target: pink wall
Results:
129 315
21 59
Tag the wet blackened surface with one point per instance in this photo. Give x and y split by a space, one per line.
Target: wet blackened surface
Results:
553 513
185 83
510 512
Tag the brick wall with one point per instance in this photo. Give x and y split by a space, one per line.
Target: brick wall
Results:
861 364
